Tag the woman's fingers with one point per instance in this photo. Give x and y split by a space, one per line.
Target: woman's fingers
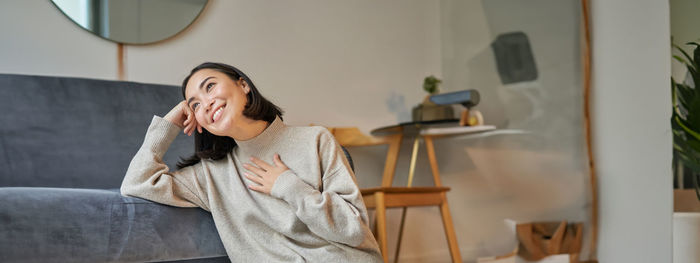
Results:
189 114
192 126
256 188
263 175
278 161
253 178
260 163
188 126
187 130
253 169
190 122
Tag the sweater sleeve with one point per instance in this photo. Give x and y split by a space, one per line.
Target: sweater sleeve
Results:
335 212
148 176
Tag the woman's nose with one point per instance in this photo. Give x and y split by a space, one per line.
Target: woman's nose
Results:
209 104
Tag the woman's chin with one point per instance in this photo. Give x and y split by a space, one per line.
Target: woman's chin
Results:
217 133
218 128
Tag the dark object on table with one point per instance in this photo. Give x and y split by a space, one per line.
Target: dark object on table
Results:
432 112
468 98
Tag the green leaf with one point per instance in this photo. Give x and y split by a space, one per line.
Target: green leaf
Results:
677 147
431 83
693 165
684 89
677 133
695 146
684 95
693 109
690 60
696 53
686 128
680 59
693 73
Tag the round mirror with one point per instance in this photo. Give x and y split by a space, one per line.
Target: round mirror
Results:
132 21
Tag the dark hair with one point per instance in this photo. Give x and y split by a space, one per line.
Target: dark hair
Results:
210 146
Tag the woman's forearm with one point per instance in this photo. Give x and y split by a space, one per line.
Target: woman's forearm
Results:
148 176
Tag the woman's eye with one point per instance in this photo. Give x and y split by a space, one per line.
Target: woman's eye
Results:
210 85
194 106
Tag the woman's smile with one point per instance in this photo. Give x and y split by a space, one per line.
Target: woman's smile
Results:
217 113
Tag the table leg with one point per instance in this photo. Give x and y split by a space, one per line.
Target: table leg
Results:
381 225
430 148
411 171
398 242
414 156
444 207
450 230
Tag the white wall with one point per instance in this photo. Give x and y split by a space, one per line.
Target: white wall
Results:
631 129
35 38
316 59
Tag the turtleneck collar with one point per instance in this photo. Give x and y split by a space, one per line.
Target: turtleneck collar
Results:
264 139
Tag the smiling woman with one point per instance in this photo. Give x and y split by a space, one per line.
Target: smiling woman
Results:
296 197
214 83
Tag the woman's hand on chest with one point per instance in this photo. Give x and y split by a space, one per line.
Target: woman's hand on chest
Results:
264 174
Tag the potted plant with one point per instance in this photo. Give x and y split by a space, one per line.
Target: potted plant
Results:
429 111
685 121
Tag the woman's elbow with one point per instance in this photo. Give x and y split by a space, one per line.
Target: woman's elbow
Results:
356 238
125 190
129 188
356 233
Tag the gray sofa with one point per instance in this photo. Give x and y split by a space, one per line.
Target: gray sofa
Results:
65 144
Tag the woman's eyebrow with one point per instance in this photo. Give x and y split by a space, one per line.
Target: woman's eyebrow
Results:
204 81
201 85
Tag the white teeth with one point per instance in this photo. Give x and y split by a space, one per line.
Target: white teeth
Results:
216 114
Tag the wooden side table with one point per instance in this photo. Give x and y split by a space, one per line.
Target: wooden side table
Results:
428 131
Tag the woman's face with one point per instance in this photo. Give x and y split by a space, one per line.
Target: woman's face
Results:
216 100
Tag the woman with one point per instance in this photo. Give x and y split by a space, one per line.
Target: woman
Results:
277 193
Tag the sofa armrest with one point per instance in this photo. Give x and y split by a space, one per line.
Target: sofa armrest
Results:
90 225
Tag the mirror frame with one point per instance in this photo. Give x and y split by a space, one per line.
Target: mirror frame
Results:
199 14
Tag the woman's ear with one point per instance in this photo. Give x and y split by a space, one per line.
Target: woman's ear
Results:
244 85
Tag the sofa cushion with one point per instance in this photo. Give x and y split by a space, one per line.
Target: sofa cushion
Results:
75 132
90 225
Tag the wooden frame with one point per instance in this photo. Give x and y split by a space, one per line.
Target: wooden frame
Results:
587 125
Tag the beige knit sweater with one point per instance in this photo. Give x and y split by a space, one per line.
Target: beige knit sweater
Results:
315 212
